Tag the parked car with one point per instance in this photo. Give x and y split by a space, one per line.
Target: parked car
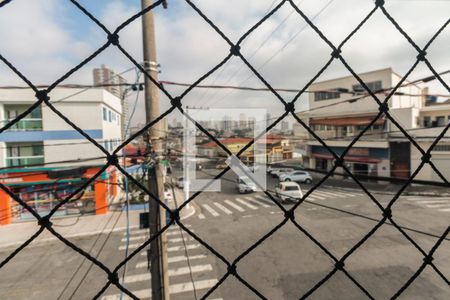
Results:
297 176
245 185
288 191
221 166
278 171
180 182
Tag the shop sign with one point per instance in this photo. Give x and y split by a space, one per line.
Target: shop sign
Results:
359 152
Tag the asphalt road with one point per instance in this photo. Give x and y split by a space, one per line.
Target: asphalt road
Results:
286 265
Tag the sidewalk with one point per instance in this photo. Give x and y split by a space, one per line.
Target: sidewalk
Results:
15 234
388 188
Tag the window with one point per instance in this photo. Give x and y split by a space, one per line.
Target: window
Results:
373 86
109 115
440 121
443 148
105 115
318 96
426 122
24 154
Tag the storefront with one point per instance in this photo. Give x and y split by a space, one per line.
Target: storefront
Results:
359 160
43 188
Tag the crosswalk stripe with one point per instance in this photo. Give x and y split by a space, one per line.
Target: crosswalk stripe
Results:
312 197
210 210
344 194
313 194
256 202
432 201
172 233
188 286
179 240
130 246
233 205
187 270
424 198
444 209
201 216
226 210
174 259
265 199
135 238
173 289
246 204
328 194
442 205
173 272
177 248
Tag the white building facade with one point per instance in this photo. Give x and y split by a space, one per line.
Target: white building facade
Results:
43 138
338 121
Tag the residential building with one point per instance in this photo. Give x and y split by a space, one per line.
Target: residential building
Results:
114 83
337 120
42 137
433 119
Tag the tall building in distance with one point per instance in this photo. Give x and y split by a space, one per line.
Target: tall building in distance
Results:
107 76
242 121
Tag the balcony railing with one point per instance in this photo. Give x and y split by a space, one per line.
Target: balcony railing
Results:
23 161
24 125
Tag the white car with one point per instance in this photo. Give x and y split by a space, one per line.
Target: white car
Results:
288 191
245 185
297 176
278 171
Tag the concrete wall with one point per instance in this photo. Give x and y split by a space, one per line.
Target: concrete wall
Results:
408 118
441 160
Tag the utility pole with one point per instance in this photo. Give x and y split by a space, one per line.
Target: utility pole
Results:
158 247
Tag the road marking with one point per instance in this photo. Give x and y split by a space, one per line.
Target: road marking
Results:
201 216
313 198
432 201
188 286
136 238
130 246
442 205
173 289
179 248
226 210
173 272
256 202
265 199
246 204
137 278
425 198
178 240
187 270
174 259
328 194
344 194
444 209
210 210
313 194
236 207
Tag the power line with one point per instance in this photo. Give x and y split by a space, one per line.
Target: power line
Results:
280 49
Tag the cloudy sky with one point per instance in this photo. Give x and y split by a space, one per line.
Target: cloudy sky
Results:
45 38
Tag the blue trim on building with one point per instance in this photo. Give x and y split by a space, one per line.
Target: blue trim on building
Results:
39 136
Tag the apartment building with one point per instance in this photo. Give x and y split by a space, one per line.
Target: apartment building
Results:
338 121
433 118
42 137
